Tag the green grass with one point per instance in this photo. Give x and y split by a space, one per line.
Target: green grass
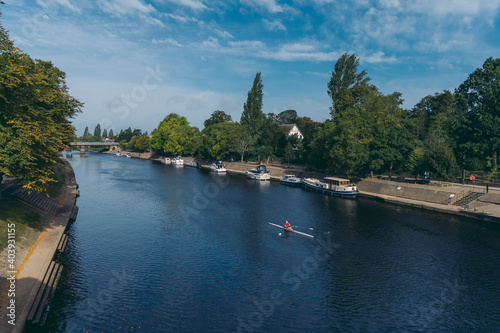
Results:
13 211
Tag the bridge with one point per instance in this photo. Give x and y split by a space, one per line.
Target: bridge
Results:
93 144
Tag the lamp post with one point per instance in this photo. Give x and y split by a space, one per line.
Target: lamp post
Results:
463 170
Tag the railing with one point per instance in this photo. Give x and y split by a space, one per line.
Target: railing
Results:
94 143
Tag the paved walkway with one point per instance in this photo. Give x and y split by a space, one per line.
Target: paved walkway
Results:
30 272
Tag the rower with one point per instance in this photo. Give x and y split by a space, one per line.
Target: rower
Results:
288 226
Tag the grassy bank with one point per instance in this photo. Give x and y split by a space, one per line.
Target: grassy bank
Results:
13 211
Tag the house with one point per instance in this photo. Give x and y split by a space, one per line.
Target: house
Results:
291 129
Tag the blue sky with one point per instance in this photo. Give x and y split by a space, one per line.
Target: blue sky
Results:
132 62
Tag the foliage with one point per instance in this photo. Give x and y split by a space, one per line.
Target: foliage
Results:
217 117
36 109
219 140
174 136
252 115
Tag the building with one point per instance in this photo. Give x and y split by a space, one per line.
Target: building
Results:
291 129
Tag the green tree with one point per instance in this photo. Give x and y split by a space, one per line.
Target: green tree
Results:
86 131
174 136
478 101
35 116
111 134
217 117
244 141
142 143
105 133
252 115
97 131
287 117
219 140
347 86
289 153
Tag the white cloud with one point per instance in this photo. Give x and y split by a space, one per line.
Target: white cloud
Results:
52 4
211 43
193 4
269 5
273 25
125 7
378 57
169 41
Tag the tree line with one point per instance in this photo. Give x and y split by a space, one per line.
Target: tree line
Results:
367 131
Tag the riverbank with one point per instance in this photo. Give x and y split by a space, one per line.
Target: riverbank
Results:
436 196
29 287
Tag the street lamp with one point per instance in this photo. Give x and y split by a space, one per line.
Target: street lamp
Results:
463 170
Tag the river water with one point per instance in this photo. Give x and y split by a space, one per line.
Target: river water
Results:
157 248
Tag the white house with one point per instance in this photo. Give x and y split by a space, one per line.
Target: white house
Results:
291 129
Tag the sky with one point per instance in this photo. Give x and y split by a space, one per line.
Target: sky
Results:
132 62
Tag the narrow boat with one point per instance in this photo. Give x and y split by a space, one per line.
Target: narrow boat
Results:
259 173
291 180
291 230
332 186
177 161
218 167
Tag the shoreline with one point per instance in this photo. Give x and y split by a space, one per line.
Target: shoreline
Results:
432 197
22 297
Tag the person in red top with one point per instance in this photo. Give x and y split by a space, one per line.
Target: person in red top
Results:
288 226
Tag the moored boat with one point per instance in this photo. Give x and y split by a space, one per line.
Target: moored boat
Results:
129 155
119 153
177 161
259 173
331 186
191 164
291 180
218 167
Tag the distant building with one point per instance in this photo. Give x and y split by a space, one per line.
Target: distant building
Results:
109 140
291 129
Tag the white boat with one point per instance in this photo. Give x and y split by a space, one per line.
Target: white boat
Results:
291 180
191 164
119 153
166 161
177 161
332 186
129 155
218 167
259 173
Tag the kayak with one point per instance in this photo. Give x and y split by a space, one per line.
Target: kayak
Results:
291 230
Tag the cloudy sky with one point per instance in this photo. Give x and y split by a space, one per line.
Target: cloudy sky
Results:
132 62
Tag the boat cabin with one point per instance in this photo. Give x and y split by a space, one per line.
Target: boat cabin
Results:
332 181
261 168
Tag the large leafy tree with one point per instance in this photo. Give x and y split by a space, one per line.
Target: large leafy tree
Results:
478 99
219 140
347 86
217 117
252 115
174 136
35 116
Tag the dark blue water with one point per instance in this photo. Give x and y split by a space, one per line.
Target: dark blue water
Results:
162 249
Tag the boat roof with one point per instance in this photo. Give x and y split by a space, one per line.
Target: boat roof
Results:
336 179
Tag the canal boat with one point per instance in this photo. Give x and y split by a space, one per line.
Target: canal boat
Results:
177 161
291 180
259 173
331 186
218 167
291 230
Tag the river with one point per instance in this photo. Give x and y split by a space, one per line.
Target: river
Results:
157 248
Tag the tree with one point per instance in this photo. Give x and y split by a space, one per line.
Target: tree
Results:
174 136
287 117
252 115
217 117
142 143
289 153
111 134
105 133
346 86
244 141
35 113
86 131
219 140
97 131
478 101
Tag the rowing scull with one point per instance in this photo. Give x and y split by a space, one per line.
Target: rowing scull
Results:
298 232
